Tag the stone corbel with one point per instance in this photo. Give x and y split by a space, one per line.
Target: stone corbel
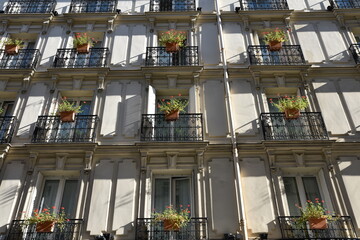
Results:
193 24
3 156
3 84
101 83
45 27
280 79
148 79
90 26
341 20
61 160
172 25
172 159
305 79
299 158
172 79
69 23
267 24
200 160
32 161
54 79
287 23
246 23
77 82
144 158
110 25
26 82
88 161
256 77
328 155
152 24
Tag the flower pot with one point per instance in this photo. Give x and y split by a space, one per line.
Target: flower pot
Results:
68 116
292 113
172 116
11 49
47 226
83 48
274 46
172 47
317 223
170 225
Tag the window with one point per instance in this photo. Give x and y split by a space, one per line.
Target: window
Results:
8 107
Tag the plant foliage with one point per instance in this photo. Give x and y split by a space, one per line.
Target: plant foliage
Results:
291 102
172 36
174 104
179 218
276 35
83 38
66 106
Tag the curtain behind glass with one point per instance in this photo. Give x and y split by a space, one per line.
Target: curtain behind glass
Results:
162 194
48 198
292 195
311 188
69 198
182 193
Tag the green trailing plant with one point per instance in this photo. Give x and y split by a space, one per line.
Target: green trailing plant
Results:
13 41
172 36
291 102
180 218
47 214
173 104
83 38
276 35
1 110
66 106
313 210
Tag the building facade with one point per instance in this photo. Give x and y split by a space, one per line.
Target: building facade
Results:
237 161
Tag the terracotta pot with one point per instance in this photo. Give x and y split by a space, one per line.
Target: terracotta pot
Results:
292 113
172 47
318 223
274 46
172 116
11 49
47 226
169 225
83 48
68 116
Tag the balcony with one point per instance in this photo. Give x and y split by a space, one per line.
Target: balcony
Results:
309 126
148 229
264 5
188 128
70 58
288 55
344 4
186 56
71 231
25 59
342 228
93 6
30 6
7 126
172 5
355 51
49 129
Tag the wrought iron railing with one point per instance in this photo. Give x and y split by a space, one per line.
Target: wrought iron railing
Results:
92 6
186 56
309 126
71 231
7 127
30 6
340 228
188 128
50 129
288 55
344 3
355 51
25 59
149 229
70 58
172 5
263 5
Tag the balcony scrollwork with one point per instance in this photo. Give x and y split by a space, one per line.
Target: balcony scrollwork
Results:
288 55
70 58
186 56
264 5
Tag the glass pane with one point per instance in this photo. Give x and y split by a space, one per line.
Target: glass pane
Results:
162 194
272 108
85 107
292 195
182 192
48 198
69 198
311 188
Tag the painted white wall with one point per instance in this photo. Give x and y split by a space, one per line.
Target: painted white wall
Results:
132 109
126 6
62 6
350 173
350 89
137 45
120 46
228 5
206 5
100 198
52 43
9 191
223 200
296 4
331 107
209 45
316 4
124 209
234 42
257 196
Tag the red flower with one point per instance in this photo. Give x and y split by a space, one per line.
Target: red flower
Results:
188 205
62 208
53 207
171 96
163 100
179 94
317 199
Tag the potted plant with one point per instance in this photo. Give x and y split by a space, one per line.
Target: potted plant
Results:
314 214
12 46
68 110
173 219
172 107
291 105
274 39
45 219
83 42
172 40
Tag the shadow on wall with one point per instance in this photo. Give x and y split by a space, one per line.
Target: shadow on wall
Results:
129 6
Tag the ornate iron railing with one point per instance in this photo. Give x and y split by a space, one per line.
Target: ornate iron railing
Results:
263 5
7 127
355 51
149 229
50 129
93 6
70 231
30 6
340 228
186 56
25 59
172 5
309 126
188 128
288 55
344 3
70 58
